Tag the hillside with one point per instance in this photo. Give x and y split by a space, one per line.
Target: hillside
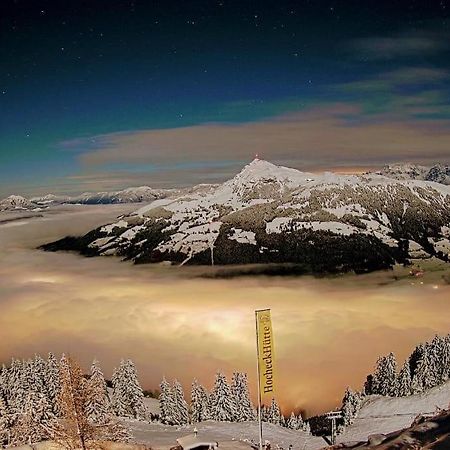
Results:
382 415
272 214
425 432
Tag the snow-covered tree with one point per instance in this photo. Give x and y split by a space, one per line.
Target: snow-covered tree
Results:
292 422
265 413
222 403
135 392
239 388
274 414
5 421
199 403
119 395
403 385
35 422
181 407
128 397
295 422
167 403
351 404
98 406
52 384
385 376
75 430
423 377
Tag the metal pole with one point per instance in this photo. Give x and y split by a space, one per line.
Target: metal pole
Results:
333 431
258 371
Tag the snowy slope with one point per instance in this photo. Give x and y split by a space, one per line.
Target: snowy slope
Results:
387 414
267 213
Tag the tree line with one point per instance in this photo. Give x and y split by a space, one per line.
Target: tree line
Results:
224 403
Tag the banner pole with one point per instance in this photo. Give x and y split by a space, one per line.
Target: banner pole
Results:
258 371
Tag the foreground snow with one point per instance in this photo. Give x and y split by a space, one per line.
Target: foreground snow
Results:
163 436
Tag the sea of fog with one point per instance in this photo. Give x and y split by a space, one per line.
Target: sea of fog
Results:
173 322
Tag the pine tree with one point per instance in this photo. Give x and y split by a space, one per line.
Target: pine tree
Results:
264 413
385 376
292 422
199 403
300 422
167 403
181 407
222 403
98 406
36 421
239 388
423 378
51 378
135 394
351 404
5 421
274 413
404 381
119 395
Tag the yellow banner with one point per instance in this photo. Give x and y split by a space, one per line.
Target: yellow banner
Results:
266 356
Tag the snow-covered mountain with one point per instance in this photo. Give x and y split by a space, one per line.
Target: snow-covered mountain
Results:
437 173
129 195
271 214
15 202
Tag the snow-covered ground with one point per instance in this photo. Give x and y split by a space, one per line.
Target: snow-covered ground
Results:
381 415
163 436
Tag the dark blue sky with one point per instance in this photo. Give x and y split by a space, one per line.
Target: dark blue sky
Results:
81 78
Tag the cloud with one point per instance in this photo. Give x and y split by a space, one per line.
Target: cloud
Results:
397 46
314 139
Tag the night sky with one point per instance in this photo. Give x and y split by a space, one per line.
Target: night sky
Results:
108 94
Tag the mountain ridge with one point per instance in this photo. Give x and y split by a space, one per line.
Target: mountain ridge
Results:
272 214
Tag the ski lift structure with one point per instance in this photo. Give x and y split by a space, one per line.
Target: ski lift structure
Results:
333 416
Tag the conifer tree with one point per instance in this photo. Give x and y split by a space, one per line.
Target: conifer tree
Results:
75 430
239 388
181 407
222 403
51 378
423 378
35 422
119 395
167 403
403 387
274 413
385 376
292 422
5 421
98 406
135 394
351 404
199 403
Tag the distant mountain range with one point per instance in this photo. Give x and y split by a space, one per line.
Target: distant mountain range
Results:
129 195
271 214
437 173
